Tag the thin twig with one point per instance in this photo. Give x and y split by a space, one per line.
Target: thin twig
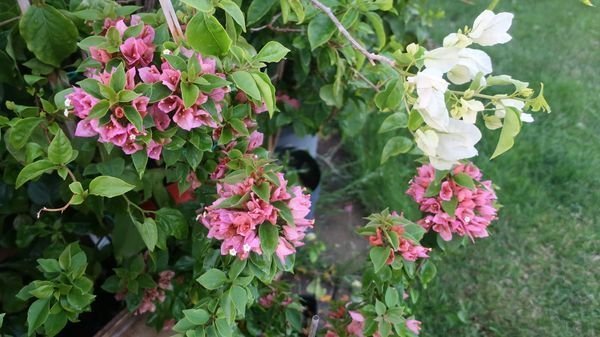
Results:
5 22
372 57
274 28
364 78
46 209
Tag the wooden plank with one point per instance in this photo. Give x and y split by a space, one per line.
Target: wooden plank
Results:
128 325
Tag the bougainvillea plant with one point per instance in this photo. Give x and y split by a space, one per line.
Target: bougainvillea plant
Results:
137 156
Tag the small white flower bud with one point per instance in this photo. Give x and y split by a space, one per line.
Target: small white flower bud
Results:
67 102
232 252
246 248
166 52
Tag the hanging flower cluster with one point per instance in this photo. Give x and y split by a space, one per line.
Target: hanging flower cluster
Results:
130 92
152 296
450 134
457 203
258 200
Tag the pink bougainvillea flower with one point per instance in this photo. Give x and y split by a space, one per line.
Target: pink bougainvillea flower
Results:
154 149
136 52
130 79
170 78
86 128
141 105
149 74
100 55
356 326
170 104
413 325
191 118
161 119
82 102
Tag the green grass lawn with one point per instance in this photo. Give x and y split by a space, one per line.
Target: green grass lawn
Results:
539 272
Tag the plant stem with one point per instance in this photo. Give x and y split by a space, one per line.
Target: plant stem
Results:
172 21
372 57
493 5
5 22
23 5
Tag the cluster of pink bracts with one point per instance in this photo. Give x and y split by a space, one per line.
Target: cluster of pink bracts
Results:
357 324
138 54
474 210
238 227
409 250
152 296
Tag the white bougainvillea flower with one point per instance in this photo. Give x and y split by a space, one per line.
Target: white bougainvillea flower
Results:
458 40
502 104
430 102
446 148
490 29
470 63
468 110
442 59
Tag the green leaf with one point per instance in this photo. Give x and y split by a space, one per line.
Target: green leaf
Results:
394 121
126 96
60 150
240 298
263 191
427 271
239 126
450 206
99 109
391 297
134 117
223 328
90 86
414 120
379 256
269 238
148 231
50 35
109 187
258 9
380 308
273 51
154 91
395 146
33 171
201 5
176 62
189 93
205 34
464 180
22 130
285 213
196 316
320 30
245 82
37 315
48 265
212 279
2 319
174 221
267 91
234 10
390 97
117 79
140 160
76 187
236 268
55 323
511 128
377 24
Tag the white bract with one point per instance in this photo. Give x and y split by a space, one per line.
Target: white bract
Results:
490 29
470 62
502 104
446 148
430 102
458 40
